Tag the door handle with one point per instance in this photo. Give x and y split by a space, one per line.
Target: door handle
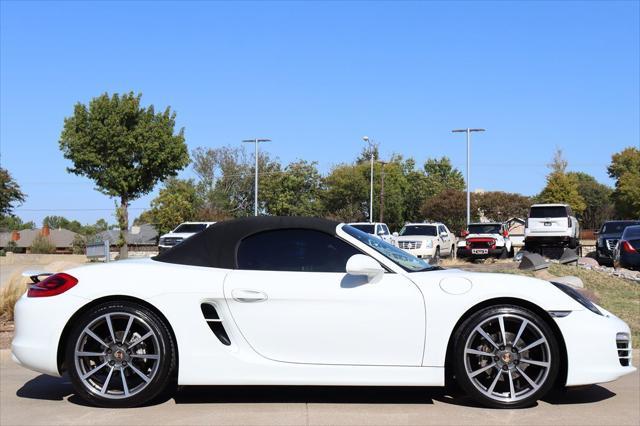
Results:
248 296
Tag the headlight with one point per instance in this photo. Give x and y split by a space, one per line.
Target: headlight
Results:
428 243
578 297
161 241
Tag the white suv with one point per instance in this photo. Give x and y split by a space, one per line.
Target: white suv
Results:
380 230
181 233
484 240
426 240
551 225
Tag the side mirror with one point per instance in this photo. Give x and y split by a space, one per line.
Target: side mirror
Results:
443 234
395 234
359 264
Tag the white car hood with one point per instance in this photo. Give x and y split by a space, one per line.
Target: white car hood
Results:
178 235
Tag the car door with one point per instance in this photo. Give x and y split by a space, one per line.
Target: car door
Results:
445 248
293 302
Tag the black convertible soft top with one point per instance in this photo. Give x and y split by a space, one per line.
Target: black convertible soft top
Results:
216 246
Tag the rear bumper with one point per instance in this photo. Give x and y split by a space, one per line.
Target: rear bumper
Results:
548 240
631 260
39 323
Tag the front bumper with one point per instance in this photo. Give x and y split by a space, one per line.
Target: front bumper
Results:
422 253
465 252
592 351
39 323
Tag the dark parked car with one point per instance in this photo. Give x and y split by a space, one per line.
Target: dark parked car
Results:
627 251
608 238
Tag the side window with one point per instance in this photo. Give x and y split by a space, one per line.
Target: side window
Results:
385 229
441 229
301 250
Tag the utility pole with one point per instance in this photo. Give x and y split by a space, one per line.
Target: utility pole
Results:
256 141
382 190
368 141
468 132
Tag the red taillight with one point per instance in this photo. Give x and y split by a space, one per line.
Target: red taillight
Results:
52 285
464 233
628 247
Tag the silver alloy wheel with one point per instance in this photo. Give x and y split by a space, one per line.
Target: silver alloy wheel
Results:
117 355
507 357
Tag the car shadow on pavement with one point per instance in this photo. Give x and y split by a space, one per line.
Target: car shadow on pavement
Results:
307 394
58 388
46 387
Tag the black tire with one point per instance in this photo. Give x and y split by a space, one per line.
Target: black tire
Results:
511 314
436 256
163 377
504 253
452 253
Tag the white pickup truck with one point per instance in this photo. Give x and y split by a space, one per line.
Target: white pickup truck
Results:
551 225
181 233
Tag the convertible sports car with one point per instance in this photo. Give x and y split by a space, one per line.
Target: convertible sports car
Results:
306 301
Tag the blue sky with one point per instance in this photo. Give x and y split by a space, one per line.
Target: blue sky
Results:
316 77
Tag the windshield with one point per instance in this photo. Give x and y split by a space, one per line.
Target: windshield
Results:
485 228
428 230
364 228
616 227
408 262
190 228
548 211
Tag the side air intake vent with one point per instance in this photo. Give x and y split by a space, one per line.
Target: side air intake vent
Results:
215 323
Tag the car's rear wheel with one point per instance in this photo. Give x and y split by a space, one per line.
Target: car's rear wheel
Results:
120 354
506 357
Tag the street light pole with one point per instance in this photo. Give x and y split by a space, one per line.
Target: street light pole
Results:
382 163
468 132
256 141
367 140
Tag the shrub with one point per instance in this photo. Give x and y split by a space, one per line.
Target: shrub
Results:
11 247
42 245
78 245
10 294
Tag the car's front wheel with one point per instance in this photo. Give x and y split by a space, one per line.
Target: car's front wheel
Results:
120 354
506 357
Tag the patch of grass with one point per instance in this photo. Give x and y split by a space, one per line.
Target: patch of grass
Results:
622 297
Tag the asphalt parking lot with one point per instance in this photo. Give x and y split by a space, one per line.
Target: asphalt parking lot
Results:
29 398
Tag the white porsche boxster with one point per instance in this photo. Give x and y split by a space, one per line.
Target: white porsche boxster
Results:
305 301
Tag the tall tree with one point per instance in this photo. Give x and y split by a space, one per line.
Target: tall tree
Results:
125 148
176 202
597 197
10 193
449 207
562 187
346 194
625 169
440 175
294 191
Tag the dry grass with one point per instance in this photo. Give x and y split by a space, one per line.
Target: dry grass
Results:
9 295
622 297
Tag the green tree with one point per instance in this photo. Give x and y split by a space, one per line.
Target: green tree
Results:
346 194
597 199
60 222
126 149
293 191
562 187
449 207
176 202
440 175
625 169
10 193
14 223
